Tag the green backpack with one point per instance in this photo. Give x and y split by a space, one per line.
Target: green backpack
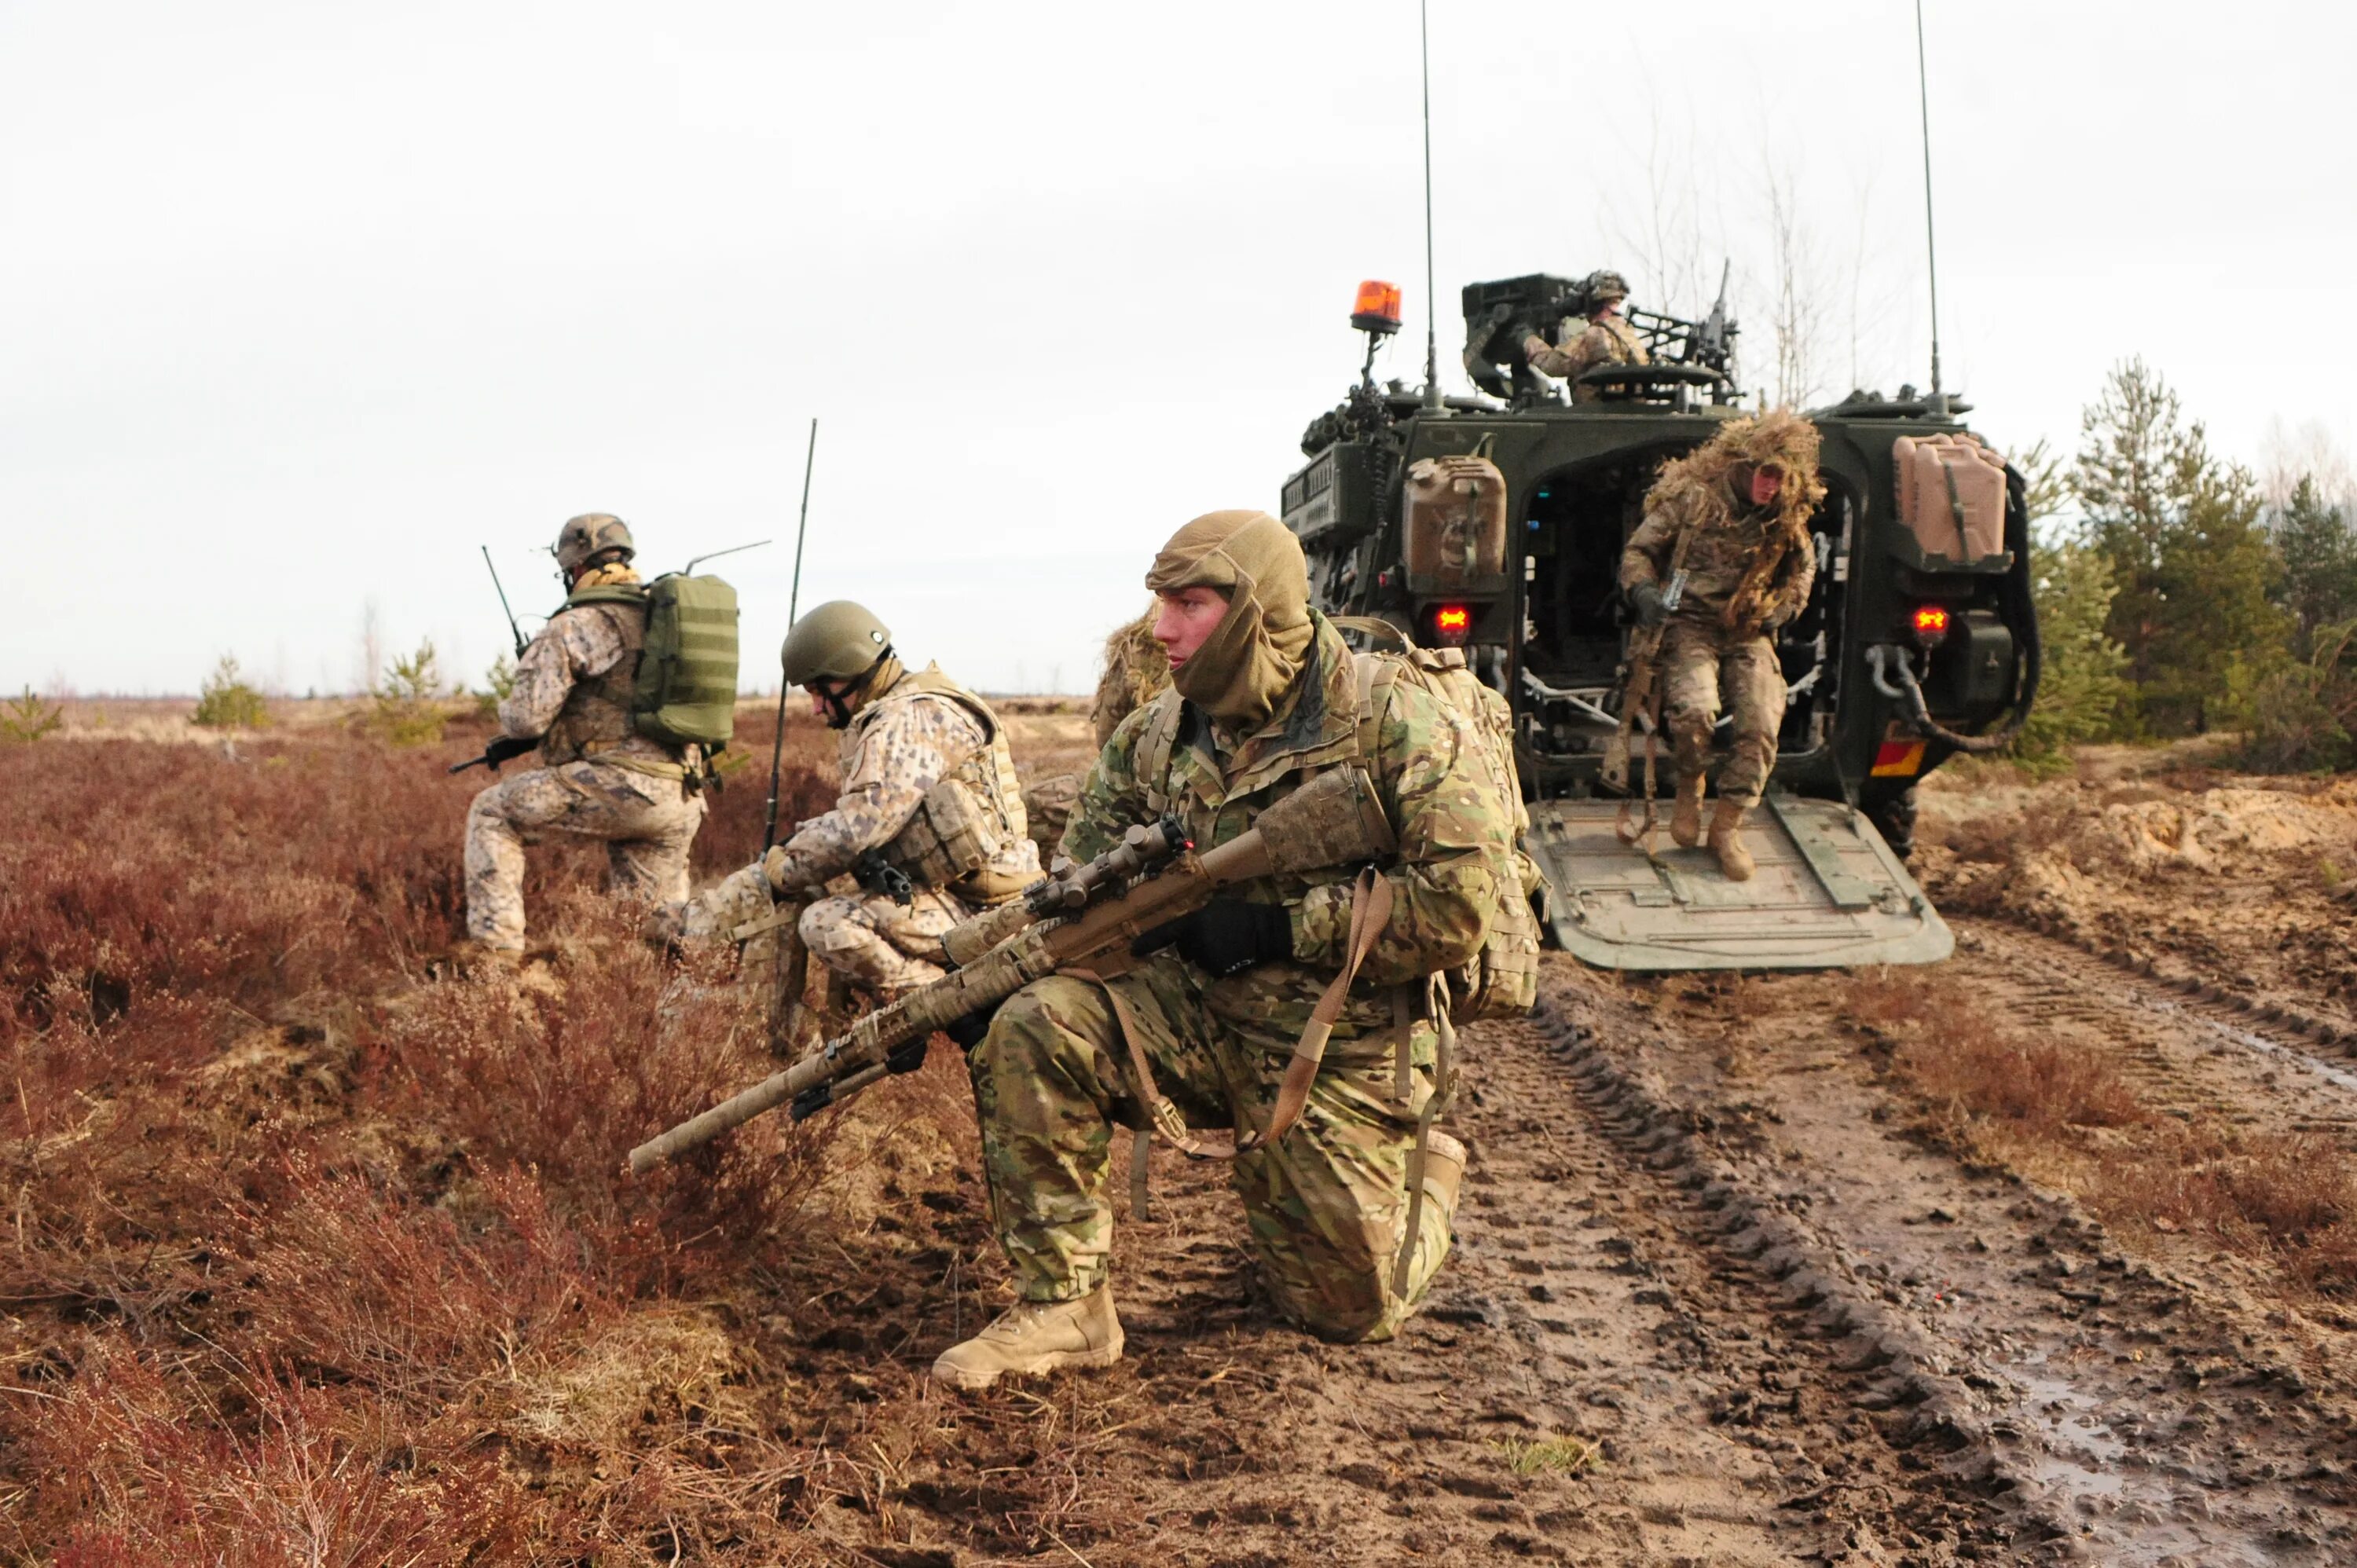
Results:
685 693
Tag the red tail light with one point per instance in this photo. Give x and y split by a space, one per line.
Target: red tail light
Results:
1931 623
1451 625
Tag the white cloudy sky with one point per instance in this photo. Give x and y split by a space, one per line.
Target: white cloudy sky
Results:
303 303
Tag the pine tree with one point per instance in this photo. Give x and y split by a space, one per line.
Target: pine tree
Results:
2180 531
2081 692
2319 552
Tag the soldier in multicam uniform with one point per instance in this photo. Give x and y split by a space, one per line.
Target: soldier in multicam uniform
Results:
1734 516
1607 340
903 733
599 778
1265 691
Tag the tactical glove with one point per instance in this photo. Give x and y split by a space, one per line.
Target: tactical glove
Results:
1645 599
1226 936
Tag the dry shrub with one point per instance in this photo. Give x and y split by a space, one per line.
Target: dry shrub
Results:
1960 1060
2290 1198
299 1478
563 1081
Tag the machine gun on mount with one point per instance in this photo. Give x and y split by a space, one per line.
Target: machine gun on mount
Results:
1086 922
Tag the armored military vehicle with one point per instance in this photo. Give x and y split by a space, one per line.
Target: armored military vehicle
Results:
1494 523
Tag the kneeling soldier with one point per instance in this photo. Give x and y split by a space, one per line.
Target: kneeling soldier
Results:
1265 693
930 816
599 778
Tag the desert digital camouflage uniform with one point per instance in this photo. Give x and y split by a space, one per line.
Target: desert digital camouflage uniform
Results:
1326 1203
918 730
599 778
1749 570
1607 340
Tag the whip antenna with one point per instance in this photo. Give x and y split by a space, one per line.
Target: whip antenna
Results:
1431 297
809 455
793 604
1930 245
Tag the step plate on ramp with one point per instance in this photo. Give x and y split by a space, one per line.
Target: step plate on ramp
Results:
1828 893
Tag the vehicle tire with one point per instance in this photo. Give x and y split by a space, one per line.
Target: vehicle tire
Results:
1893 816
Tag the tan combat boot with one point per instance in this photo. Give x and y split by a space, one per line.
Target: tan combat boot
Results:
1727 841
1685 820
1033 1337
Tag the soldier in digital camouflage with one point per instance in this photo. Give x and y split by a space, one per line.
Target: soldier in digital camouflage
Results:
599 777
1263 689
1606 338
904 733
1734 516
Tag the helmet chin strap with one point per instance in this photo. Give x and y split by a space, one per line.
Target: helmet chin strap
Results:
838 700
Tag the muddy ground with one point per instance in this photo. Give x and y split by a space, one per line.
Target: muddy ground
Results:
2038 1255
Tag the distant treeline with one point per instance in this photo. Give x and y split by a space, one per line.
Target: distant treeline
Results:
2177 595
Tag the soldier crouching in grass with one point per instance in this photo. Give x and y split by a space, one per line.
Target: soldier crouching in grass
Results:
1265 693
599 778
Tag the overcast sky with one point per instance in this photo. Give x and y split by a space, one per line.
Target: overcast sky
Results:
305 302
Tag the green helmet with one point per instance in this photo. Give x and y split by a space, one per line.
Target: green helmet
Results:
585 538
837 641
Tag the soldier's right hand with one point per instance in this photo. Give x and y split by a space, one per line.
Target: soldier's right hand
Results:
1645 599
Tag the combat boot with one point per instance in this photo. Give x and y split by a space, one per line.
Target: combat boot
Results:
1033 1337
1685 820
1727 841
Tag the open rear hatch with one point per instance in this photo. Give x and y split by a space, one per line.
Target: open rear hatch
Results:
1828 893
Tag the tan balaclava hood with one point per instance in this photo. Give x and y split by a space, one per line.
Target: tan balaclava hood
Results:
1259 646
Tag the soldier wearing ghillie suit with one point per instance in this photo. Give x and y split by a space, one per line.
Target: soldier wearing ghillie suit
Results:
1606 339
599 777
1734 516
904 733
1134 670
1264 692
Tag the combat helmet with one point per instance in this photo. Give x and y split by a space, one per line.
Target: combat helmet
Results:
1603 287
586 538
835 650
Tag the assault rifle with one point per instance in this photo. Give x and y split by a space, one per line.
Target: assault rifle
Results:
1087 919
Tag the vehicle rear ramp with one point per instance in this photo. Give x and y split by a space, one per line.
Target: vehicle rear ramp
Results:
1828 893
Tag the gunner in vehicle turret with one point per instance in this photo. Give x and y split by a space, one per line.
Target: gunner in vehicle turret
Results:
1722 558
1607 340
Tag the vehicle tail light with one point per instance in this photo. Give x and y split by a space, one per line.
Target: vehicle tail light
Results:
1451 625
1931 624
1377 307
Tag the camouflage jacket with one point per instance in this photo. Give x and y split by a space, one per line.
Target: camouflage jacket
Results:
1609 340
1727 539
901 743
1453 830
562 694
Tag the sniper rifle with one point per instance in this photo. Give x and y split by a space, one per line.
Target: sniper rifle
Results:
1088 920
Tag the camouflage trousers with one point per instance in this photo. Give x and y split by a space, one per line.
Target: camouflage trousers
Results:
877 944
1701 666
1325 1206
647 822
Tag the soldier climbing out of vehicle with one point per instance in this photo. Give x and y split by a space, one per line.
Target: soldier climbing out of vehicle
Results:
1722 558
1347 1188
930 818
1608 338
602 774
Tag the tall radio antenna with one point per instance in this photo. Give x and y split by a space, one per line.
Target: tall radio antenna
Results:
1431 295
801 526
1930 245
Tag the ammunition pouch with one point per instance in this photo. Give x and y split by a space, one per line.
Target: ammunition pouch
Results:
950 842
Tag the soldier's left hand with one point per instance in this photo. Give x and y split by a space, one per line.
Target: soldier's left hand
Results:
1534 344
1226 936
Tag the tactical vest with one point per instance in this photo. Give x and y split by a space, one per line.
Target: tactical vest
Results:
968 833
596 719
1501 981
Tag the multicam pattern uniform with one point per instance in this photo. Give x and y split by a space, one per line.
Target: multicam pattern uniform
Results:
901 744
627 791
1607 340
1325 1206
1704 661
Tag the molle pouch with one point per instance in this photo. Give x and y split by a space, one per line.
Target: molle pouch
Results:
951 836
